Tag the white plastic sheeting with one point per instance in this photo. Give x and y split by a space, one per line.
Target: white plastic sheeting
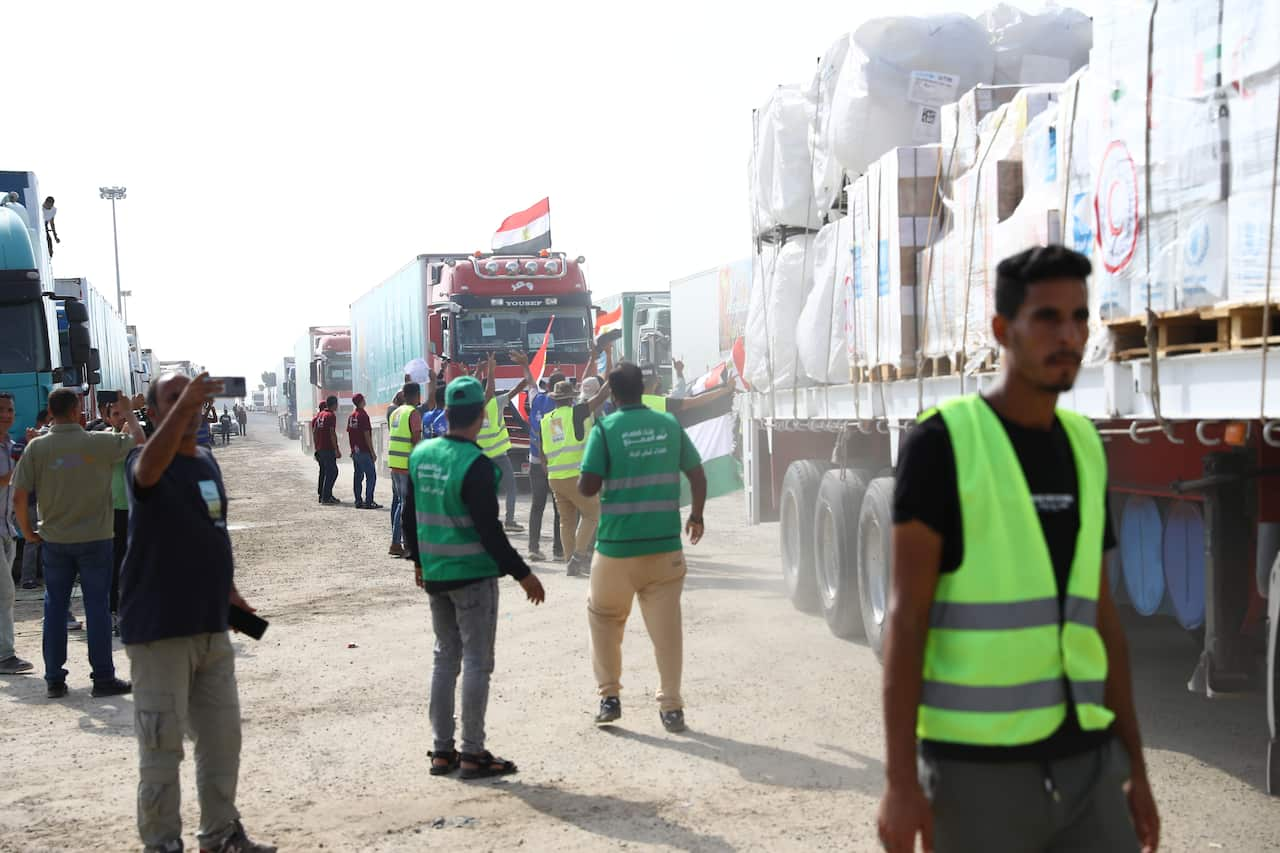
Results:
823 348
898 72
782 174
828 174
1037 48
778 291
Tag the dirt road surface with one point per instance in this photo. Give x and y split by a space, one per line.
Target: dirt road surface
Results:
784 750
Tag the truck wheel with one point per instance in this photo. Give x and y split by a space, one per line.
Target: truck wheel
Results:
835 550
875 530
1273 679
799 497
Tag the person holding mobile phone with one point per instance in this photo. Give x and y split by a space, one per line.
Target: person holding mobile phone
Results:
176 589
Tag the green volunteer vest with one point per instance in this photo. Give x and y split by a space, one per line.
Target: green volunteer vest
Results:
401 443
640 501
560 444
655 401
1001 657
449 546
494 439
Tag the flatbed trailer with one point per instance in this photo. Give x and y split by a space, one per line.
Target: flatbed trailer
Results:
1193 448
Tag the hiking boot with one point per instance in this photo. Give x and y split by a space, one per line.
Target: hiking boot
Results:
396 550
56 689
111 687
15 666
672 721
238 842
610 710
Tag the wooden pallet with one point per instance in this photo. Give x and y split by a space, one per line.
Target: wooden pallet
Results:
942 365
880 373
1209 329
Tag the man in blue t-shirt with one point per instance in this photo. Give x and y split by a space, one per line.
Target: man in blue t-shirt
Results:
175 587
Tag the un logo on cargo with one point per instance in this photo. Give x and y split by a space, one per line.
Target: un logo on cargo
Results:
1197 245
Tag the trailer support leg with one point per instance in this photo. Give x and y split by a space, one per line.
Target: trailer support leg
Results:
1228 521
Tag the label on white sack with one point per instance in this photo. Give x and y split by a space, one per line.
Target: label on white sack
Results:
932 88
926 127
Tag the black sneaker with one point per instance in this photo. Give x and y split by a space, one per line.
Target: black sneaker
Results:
372 505
672 721
238 842
56 689
610 710
30 585
111 687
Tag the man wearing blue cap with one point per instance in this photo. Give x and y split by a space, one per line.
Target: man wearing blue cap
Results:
453 534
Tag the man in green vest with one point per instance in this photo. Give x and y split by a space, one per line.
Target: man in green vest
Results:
459 550
1008 702
405 426
633 460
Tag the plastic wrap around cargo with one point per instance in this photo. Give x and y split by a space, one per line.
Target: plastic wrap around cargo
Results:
782 174
898 73
1037 48
823 347
777 296
828 174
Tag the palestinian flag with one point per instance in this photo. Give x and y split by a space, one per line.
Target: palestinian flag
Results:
713 429
525 233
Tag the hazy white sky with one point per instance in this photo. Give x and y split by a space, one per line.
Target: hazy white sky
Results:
281 158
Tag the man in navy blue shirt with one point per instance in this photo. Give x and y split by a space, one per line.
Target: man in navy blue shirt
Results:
175 587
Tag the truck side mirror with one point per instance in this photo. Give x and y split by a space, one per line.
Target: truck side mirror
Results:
76 311
80 344
95 359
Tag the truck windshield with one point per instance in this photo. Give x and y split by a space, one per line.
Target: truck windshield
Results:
569 332
23 338
490 331
337 372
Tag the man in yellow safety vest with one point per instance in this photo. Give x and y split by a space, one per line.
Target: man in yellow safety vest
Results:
495 439
1008 702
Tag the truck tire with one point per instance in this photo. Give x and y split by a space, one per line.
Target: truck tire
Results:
799 497
1273 680
875 531
835 550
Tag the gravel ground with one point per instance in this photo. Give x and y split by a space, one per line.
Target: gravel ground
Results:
784 750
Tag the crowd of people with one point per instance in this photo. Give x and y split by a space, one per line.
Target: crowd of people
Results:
131 506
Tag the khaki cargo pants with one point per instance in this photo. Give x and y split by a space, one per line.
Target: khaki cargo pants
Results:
657 580
186 686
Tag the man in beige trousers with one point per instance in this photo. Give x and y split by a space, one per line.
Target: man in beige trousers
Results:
175 587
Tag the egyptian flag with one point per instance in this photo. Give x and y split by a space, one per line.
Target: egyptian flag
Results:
608 321
525 233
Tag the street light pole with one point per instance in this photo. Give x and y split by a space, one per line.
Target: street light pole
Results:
114 194
124 311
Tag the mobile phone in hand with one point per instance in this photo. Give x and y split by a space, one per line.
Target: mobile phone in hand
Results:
245 622
232 386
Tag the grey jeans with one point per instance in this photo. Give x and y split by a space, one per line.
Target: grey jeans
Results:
465 622
186 686
1063 806
8 550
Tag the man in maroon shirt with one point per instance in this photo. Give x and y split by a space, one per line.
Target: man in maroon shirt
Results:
360 437
325 433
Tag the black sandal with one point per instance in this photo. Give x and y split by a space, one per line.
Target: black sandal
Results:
489 766
451 757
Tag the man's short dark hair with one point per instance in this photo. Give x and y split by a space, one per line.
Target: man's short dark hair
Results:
461 417
412 391
627 383
63 402
1040 263
42 415
331 400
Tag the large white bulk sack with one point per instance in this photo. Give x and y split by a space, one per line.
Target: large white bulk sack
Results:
756 336
828 174
821 333
898 73
1037 48
783 183
778 294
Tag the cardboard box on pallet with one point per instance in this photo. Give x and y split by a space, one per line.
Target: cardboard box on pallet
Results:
861 300
961 123
1253 230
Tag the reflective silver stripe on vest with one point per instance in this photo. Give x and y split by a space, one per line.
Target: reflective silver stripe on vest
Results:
1015 697
628 507
1011 615
1089 692
447 550
565 448
398 453
437 520
639 482
568 466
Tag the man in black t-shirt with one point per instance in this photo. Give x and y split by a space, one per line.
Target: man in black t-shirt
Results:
175 588
990 789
